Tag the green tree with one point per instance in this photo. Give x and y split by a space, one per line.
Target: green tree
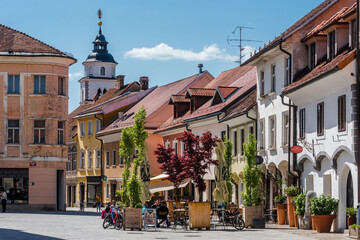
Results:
228 164
252 175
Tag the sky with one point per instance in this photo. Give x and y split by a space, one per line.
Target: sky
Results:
162 39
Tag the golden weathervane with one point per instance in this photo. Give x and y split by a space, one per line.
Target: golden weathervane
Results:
99 16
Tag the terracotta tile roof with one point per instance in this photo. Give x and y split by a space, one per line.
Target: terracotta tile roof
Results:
13 41
351 10
178 98
339 62
201 92
241 106
245 83
153 102
292 28
226 91
228 77
173 123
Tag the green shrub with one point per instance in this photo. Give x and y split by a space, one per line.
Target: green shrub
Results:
280 199
292 191
351 212
138 205
323 205
355 226
299 202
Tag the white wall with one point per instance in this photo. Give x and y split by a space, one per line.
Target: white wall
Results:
92 69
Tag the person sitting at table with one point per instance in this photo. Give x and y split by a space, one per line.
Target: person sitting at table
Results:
156 204
162 214
145 206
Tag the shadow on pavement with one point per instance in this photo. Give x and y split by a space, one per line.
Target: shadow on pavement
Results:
7 234
68 213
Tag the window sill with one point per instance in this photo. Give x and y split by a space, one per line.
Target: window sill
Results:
48 95
271 94
89 168
13 144
284 146
272 149
114 166
14 94
121 165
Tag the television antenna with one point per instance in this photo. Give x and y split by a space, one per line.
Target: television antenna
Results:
240 41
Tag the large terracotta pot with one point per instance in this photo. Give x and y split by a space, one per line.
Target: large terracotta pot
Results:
323 222
313 226
351 221
281 215
291 212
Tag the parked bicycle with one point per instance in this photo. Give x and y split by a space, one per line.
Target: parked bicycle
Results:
233 218
113 218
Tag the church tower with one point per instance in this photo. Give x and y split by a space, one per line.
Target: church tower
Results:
100 70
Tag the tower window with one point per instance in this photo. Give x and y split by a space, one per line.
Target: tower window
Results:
102 71
104 91
99 92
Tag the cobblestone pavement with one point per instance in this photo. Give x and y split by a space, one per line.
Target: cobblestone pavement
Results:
88 225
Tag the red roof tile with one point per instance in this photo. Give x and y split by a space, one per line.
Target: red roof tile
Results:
339 62
13 41
201 92
178 98
226 91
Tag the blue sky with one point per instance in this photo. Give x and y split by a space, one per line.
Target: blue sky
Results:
161 39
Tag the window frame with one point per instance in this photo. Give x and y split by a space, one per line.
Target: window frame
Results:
61 131
82 159
98 159
287 78
272 132
14 131
39 130
114 158
89 127
235 142
242 140
332 45
102 71
38 81
107 158
320 119
312 52
302 123
342 113
90 158
15 84
98 125
285 129
61 86
262 83
273 78
82 129
262 134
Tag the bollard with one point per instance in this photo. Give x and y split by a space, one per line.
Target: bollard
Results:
358 214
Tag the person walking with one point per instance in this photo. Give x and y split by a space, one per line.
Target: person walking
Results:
98 203
3 197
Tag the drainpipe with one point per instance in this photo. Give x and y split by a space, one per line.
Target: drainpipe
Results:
290 63
255 120
101 153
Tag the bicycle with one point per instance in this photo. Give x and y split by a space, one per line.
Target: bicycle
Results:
234 218
108 220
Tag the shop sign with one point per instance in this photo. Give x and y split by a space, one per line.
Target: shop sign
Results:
296 149
32 164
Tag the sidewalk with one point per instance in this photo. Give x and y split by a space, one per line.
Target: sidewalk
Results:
309 233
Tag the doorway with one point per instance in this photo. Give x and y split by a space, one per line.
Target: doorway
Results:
60 190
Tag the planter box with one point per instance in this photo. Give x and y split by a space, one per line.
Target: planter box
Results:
354 233
252 212
199 215
132 218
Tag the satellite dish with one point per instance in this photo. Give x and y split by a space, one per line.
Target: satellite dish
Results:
259 160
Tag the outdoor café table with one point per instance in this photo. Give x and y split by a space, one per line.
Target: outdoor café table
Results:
180 218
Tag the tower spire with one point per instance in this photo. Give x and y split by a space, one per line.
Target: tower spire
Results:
100 22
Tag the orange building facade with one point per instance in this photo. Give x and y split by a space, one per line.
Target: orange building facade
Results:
34 106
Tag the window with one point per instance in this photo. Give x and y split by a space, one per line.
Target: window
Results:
13 131
107 158
262 134
342 113
39 131
302 123
90 158
175 145
287 72
114 158
107 190
235 139
273 78
82 159
39 84
14 84
61 132
89 128
73 158
167 144
242 141
82 129
312 55
272 132
102 71
61 86
98 125
353 33
251 130
121 161
332 46
223 135
262 83
98 158
285 132
320 119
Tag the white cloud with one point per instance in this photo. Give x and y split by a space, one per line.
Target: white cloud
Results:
246 52
165 52
75 76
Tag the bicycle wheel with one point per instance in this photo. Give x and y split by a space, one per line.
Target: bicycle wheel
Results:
107 221
238 223
119 222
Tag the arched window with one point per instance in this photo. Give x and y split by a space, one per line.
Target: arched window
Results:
99 92
102 71
104 91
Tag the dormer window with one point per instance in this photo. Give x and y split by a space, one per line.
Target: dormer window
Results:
353 33
102 71
312 55
332 45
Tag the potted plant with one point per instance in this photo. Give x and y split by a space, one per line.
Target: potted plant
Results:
280 208
351 216
292 192
299 203
252 196
323 210
354 231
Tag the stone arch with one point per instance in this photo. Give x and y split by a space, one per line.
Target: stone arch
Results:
337 154
343 175
302 160
319 157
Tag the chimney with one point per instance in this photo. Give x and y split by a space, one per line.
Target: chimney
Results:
144 83
120 81
200 66
121 116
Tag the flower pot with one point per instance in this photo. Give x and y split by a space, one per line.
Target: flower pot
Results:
251 212
132 218
323 222
351 221
313 222
281 215
354 233
199 215
291 212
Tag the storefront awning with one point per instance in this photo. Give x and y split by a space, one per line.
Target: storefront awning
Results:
167 186
159 177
